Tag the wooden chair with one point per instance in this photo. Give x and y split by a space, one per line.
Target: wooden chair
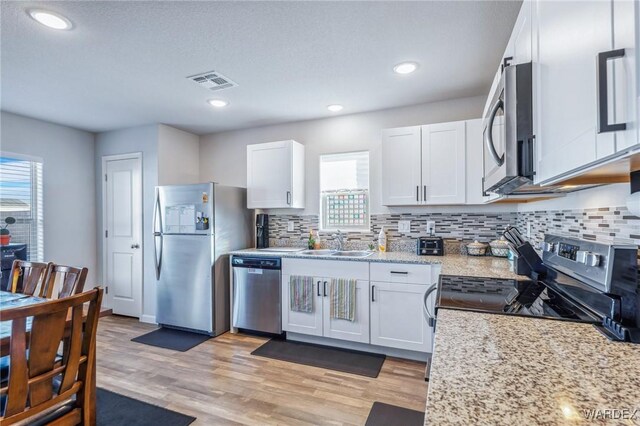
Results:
27 277
72 280
41 389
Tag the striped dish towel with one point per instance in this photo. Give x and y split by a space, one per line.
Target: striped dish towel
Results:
343 299
301 293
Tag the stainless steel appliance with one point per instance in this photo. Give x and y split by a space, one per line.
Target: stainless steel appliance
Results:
262 231
508 132
194 227
582 281
432 246
257 293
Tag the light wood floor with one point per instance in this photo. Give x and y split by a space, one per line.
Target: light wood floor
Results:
220 382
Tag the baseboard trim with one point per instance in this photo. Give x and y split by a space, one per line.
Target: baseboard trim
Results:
150 319
365 347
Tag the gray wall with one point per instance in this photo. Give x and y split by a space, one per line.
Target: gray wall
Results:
223 155
138 139
68 186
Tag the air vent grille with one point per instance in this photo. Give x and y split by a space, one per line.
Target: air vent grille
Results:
213 81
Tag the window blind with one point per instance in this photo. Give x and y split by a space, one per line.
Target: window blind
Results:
21 198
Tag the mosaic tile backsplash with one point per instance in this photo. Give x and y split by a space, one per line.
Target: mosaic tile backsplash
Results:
605 224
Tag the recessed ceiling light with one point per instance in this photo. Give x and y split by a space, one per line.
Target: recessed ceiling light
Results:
335 108
50 19
405 68
218 103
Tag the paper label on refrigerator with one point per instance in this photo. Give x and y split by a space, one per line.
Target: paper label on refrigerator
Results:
180 219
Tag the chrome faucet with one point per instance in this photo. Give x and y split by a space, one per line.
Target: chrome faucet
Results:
340 238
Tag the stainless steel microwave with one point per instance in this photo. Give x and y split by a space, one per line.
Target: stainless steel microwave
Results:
508 132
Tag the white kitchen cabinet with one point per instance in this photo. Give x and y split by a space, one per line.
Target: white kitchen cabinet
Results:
401 166
309 323
424 165
568 36
443 163
397 318
275 175
319 322
519 47
626 71
397 298
475 172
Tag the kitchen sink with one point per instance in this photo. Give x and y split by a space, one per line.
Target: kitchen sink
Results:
352 253
323 252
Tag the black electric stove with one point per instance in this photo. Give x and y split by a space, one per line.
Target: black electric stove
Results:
511 297
583 281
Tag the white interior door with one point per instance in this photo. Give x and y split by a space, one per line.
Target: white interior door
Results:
122 213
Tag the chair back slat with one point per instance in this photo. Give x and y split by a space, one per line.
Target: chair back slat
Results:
27 277
46 333
71 354
18 373
33 368
71 279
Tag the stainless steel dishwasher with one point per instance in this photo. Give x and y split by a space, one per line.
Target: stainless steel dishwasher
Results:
257 293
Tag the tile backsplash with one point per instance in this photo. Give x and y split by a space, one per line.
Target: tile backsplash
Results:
605 224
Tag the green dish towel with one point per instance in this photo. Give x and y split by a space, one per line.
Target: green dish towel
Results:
343 299
301 293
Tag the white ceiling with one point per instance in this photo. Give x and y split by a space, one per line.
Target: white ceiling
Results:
124 64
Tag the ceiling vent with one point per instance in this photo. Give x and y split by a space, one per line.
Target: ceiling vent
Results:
213 81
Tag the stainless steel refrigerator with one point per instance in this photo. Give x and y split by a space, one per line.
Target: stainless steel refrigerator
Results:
194 229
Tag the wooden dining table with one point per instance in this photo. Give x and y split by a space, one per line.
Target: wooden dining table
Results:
10 300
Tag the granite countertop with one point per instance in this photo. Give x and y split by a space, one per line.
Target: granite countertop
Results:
452 264
490 369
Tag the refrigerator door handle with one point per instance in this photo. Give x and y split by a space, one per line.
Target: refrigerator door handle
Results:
157 233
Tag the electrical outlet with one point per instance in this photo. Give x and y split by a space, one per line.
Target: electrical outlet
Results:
431 227
290 226
404 226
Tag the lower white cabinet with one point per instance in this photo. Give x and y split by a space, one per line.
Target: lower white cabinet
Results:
397 318
319 322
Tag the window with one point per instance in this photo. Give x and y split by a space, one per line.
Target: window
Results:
21 198
344 192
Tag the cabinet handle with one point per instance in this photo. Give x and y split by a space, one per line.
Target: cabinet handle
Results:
417 193
424 195
399 272
603 92
319 289
373 293
288 197
325 289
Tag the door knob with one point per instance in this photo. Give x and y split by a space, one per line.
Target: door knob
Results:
135 246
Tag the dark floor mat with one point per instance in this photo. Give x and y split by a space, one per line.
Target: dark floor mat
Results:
384 415
169 338
113 409
345 360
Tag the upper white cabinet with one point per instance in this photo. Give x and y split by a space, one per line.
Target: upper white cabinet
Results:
583 87
443 163
474 170
275 175
401 166
519 46
424 165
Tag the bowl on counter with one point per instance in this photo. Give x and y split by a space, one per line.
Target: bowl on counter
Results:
499 248
477 248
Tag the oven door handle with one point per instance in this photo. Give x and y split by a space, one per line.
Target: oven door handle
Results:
431 319
489 133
